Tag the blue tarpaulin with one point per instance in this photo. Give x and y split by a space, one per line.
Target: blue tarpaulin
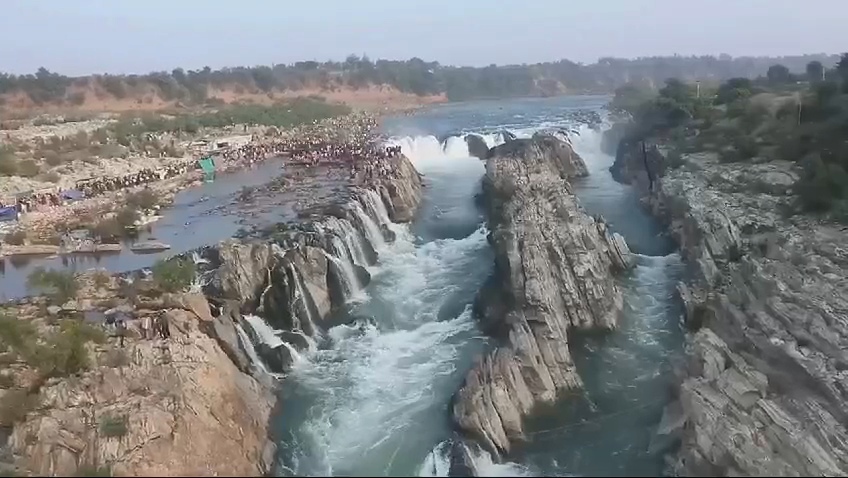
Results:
72 194
9 213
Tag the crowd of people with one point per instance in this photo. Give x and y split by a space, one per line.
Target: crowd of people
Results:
343 140
348 141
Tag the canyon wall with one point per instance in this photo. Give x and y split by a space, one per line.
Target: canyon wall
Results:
763 391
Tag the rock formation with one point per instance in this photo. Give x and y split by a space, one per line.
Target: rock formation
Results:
295 275
553 272
477 146
198 403
763 392
152 408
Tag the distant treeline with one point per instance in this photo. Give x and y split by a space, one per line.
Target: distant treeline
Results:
414 76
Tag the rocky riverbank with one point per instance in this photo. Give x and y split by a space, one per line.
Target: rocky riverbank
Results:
282 285
554 272
763 392
197 402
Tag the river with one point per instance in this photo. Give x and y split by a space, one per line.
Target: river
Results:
373 398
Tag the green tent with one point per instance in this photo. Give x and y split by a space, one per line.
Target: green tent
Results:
207 164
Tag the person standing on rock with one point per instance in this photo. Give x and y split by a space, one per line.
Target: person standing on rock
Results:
121 330
146 327
162 326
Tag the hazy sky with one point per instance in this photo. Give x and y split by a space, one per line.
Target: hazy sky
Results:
136 36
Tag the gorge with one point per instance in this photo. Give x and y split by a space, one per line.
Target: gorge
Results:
519 314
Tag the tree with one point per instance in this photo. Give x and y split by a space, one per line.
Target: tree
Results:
842 67
779 75
676 90
732 90
815 71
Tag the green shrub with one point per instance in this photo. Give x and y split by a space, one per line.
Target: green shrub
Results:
113 426
60 286
8 163
16 238
53 158
28 169
822 185
65 352
52 177
17 336
127 216
174 275
143 200
15 404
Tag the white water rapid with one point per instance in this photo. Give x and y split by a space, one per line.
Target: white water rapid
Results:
373 398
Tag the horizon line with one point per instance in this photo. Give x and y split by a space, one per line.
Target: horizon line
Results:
441 65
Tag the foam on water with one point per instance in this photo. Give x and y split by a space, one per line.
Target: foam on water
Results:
373 398
368 399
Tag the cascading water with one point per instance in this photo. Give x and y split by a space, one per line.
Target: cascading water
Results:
307 323
262 332
248 347
377 209
373 398
342 259
372 230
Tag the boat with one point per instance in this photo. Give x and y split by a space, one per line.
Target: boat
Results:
149 246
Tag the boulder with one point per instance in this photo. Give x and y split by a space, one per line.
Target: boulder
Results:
477 146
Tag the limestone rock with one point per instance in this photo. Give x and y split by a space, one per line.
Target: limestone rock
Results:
477 147
401 194
553 271
243 269
186 408
765 390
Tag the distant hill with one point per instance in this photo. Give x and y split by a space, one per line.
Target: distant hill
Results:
358 79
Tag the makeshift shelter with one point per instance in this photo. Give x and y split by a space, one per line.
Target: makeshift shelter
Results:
72 195
8 213
207 164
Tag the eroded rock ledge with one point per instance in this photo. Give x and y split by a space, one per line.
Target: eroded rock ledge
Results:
294 276
765 390
554 271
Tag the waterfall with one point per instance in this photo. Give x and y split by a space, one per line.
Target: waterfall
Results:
300 294
248 347
350 246
353 240
372 230
376 207
264 333
349 278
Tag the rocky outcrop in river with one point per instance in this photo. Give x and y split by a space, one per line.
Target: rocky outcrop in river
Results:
554 272
764 390
285 283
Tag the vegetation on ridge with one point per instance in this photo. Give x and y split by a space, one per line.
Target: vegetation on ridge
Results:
801 118
414 76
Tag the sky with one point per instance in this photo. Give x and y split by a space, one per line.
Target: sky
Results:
80 37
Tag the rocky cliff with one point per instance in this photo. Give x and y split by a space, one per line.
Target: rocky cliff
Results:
763 391
554 272
144 406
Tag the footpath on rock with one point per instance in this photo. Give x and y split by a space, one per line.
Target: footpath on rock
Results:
554 273
763 389
171 371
